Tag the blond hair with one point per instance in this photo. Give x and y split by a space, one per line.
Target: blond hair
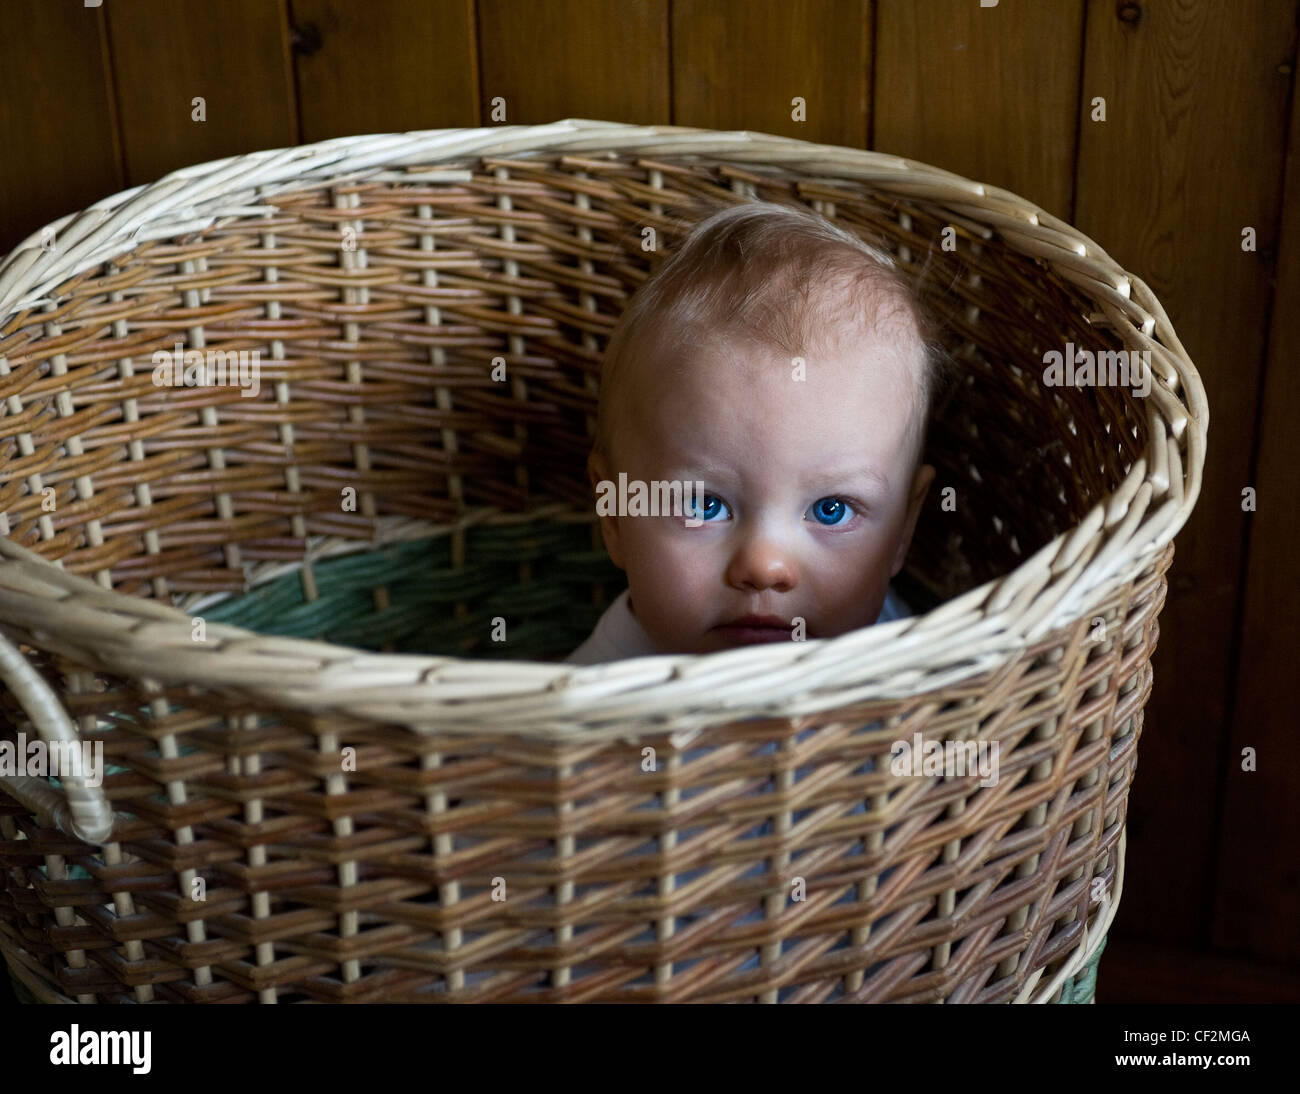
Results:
777 275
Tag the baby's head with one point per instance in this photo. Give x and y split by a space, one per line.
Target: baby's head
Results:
790 368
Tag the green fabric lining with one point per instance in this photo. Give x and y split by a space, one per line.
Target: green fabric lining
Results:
546 615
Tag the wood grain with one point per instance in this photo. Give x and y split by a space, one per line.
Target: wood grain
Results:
58 139
1148 973
235 55
1257 895
1190 153
990 93
575 59
386 66
739 65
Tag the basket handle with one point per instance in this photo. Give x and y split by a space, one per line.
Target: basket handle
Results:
80 810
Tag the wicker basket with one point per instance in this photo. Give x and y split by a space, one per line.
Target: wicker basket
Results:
339 787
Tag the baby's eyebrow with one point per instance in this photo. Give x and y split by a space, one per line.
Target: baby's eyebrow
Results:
849 474
835 477
686 469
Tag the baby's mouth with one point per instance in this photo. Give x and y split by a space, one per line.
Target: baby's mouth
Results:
750 629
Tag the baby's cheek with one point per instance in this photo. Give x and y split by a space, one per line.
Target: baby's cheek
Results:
669 579
690 582
854 614
851 596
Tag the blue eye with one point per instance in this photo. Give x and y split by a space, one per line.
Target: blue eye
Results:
711 508
830 512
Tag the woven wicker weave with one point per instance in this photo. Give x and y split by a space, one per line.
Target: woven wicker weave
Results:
379 277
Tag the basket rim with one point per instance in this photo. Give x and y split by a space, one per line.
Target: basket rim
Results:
972 634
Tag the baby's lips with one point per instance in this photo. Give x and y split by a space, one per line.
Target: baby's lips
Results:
764 622
749 633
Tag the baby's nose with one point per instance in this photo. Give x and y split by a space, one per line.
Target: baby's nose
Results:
761 563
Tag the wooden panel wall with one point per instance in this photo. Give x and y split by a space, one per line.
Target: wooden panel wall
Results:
385 66
1190 153
990 93
743 66
1257 891
232 55
1192 150
58 131
574 59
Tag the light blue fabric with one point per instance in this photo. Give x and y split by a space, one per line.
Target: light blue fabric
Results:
894 607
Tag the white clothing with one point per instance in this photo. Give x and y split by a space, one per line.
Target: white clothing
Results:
618 633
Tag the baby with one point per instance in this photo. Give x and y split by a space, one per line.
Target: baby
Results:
789 369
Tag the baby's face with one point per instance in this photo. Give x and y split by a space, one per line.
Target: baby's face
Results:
810 496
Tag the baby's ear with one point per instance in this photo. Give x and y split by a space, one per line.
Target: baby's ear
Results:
597 473
920 487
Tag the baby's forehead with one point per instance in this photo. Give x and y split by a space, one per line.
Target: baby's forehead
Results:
891 350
